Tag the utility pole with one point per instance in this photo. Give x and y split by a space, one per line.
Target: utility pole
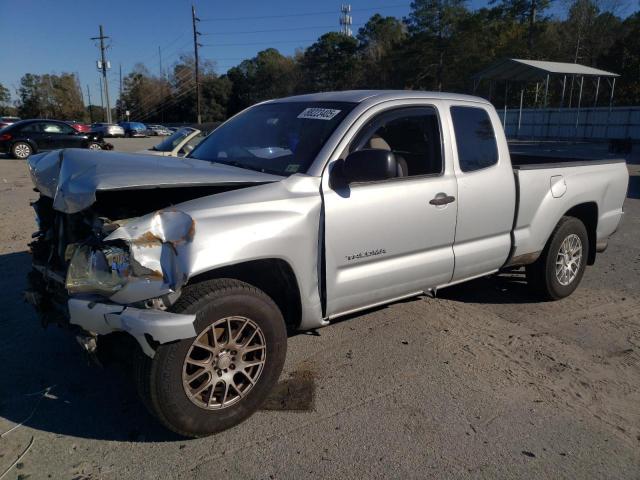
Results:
533 7
90 108
195 49
120 96
103 65
160 56
101 97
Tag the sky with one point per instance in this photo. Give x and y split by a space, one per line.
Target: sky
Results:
40 36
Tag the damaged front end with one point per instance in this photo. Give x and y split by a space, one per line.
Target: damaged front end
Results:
111 251
89 272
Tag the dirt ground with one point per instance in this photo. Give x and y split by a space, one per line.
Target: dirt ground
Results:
482 382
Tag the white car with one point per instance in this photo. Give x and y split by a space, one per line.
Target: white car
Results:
178 144
158 130
108 129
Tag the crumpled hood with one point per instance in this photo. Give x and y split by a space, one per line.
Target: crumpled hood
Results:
72 177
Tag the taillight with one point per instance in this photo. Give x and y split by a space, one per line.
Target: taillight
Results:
5 136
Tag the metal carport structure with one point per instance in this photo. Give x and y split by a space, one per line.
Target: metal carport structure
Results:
515 70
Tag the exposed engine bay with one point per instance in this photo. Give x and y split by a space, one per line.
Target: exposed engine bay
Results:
71 256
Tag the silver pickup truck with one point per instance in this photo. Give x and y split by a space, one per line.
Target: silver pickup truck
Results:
291 214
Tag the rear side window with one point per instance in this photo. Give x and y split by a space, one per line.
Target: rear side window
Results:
475 138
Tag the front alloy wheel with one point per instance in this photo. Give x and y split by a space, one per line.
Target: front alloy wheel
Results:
224 363
21 150
217 379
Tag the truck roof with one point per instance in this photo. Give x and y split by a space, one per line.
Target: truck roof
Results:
358 96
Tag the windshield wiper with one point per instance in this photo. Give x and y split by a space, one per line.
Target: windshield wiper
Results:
237 164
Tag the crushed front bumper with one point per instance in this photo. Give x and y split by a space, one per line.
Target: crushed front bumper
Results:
147 326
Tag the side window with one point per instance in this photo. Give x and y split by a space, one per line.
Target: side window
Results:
475 138
412 134
57 128
51 128
32 128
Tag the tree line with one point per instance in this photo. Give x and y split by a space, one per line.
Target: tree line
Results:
440 45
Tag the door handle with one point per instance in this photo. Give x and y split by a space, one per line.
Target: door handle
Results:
442 199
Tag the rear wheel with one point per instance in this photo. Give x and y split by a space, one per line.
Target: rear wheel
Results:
21 150
94 146
209 383
559 270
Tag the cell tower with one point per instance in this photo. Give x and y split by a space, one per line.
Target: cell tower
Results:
346 20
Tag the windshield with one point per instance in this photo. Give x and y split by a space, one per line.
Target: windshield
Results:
172 141
278 138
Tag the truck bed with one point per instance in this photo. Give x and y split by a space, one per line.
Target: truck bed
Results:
527 161
550 186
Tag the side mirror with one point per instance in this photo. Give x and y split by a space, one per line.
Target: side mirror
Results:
367 166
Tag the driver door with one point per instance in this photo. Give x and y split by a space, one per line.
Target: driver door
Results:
384 240
61 135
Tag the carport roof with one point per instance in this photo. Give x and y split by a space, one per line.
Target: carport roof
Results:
519 70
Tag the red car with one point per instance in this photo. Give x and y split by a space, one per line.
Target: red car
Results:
6 121
80 127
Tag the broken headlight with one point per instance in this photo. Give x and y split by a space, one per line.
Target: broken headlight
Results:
98 270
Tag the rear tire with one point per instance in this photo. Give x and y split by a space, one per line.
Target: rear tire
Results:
94 146
559 270
240 376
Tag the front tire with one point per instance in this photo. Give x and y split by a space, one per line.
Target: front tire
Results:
94 146
21 150
559 270
209 383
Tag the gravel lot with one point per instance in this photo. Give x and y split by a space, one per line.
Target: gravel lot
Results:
482 382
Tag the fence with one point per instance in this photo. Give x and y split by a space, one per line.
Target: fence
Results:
571 123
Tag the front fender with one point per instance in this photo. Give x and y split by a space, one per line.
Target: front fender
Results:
277 220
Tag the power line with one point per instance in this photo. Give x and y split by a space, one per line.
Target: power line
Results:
151 103
166 104
165 47
182 78
258 43
173 51
271 30
287 15
180 84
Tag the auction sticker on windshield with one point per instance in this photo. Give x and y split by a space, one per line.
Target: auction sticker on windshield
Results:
318 113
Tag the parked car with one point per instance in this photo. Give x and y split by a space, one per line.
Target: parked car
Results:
177 144
107 129
158 130
291 214
6 121
134 129
22 139
80 127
